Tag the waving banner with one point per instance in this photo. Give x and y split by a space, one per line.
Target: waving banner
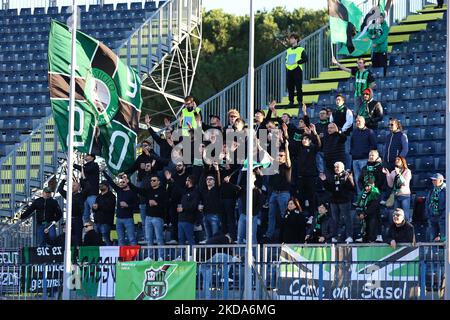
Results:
107 100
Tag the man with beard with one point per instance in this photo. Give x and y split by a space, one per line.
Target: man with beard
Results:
104 209
371 110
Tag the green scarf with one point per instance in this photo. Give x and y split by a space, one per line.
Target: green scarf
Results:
365 197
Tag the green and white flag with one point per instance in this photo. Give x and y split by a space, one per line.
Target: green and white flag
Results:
345 21
147 280
108 97
98 272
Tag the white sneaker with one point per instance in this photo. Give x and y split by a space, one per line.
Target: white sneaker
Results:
172 242
202 242
358 240
160 259
198 227
349 240
236 259
379 238
382 202
333 240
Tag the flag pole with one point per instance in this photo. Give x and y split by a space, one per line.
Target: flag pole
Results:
249 208
447 171
67 252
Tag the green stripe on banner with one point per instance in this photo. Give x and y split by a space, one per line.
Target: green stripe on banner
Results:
147 280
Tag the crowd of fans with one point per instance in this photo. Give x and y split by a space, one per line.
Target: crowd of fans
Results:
331 184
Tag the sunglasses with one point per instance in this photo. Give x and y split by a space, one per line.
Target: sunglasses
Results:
153 180
366 94
86 226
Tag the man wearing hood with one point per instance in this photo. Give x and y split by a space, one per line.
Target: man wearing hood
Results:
371 110
435 206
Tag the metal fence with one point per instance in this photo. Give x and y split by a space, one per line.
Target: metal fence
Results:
270 77
220 275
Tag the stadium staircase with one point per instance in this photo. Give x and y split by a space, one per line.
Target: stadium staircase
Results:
413 90
142 33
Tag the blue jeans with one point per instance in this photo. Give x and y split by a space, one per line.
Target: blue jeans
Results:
40 240
186 232
104 230
277 205
90 200
358 165
128 224
341 211
217 265
436 226
154 226
403 202
242 228
320 162
211 222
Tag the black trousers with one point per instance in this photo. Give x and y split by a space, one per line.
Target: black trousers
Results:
379 60
294 79
440 3
306 190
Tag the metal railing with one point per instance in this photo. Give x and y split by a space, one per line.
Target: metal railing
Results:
220 275
270 77
27 165
154 40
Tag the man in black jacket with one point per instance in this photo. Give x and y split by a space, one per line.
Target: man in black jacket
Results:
401 231
322 131
341 186
127 201
91 237
333 148
104 209
175 185
47 211
165 145
91 173
211 203
156 200
187 209
371 110
78 200
323 229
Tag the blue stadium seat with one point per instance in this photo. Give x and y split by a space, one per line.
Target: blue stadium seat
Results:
427 147
419 181
434 133
108 7
11 12
381 136
136 6
425 164
413 148
414 134
393 71
25 11
441 164
122 6
95 8
440 147
436 119
150 5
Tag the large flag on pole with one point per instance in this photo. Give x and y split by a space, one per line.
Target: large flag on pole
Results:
108 97
345 20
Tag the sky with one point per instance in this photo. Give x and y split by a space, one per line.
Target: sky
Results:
240 7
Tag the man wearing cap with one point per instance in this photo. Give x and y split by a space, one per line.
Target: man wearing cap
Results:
435 206
379 36
92 175
400 231
371 110
104 209
47 211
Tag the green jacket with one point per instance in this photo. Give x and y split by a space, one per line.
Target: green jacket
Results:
381 38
